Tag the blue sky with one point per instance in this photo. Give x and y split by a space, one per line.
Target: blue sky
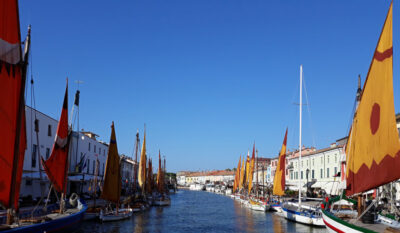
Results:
207 77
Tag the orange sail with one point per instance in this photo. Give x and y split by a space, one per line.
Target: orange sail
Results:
160 181
56 166
112 176
242 174
373 150
251 169
279 178
247 168
12 83
237 176
149 185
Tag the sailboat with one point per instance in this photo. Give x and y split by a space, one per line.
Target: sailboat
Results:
296 211
112 183
279 177
253 202
373 147
13 68
162 198
236 185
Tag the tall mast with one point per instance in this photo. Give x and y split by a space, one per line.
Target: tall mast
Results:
256 173
301 85
21 108
135 167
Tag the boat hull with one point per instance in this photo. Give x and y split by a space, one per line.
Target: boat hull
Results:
111 217
302 217
68 223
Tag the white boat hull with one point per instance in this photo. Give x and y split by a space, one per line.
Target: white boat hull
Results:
302 217
113 216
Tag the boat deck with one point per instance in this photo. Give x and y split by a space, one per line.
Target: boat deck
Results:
378 227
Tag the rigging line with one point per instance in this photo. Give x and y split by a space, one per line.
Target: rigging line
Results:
309 113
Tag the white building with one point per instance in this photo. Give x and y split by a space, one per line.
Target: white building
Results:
84 150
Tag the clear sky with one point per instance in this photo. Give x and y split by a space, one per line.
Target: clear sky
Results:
207 77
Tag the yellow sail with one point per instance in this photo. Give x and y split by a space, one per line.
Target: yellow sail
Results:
242 173
373 149
237 176
279 177
160 181
142 165
112 176
251 169
247 168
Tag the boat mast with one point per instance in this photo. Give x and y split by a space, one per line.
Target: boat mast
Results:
257 173
21 108
135 168
301 84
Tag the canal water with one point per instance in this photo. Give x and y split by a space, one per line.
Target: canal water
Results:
198 211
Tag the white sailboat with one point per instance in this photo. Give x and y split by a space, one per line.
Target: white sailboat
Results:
295 211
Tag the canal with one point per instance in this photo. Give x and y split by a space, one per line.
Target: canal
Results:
197 211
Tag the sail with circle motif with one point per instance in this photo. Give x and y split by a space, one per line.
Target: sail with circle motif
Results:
373 149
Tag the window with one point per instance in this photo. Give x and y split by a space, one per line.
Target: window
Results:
88 166
327 172
34 152
49 131
89 146
322 173
47 153
335 169
297 175
28 182
301 175
312 174
291 175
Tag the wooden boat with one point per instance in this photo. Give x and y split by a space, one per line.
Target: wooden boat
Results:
373 147
13 67
162 198
115 215
112 183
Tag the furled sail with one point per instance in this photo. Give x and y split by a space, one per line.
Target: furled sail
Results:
142 165
112 176
251 168
373 150
247 169
279 178
56 166
11 90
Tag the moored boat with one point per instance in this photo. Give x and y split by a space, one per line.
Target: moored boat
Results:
373 147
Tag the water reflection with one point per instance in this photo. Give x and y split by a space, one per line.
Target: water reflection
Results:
193 211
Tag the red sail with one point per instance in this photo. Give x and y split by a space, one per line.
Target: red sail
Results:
10 92
56 166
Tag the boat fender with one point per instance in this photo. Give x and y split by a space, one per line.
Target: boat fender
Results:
73 199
